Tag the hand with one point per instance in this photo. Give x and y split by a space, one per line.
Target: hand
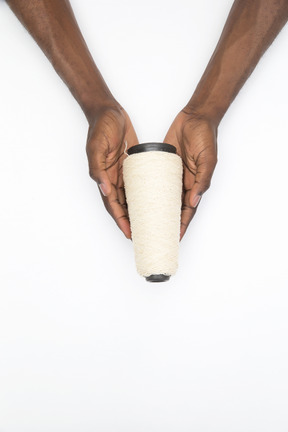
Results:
196 141
108 131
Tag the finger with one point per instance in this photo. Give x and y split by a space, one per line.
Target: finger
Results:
122 201
120 186
205 169
116 176
118 212
122 197
187 214
97 170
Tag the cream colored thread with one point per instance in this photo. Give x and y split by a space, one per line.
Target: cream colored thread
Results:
153 187
125 149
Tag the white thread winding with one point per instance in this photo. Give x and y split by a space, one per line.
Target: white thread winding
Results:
153 187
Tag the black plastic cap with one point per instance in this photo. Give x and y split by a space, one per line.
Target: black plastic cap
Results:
152 146
157 278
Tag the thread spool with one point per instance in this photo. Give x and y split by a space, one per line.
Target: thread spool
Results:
152 175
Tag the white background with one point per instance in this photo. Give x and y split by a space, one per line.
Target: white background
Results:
85 343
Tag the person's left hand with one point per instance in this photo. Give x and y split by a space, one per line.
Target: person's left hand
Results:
195 139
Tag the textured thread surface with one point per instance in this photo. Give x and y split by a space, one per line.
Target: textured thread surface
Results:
153 187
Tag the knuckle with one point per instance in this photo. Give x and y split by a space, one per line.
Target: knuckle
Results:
212 161
206 183
93 173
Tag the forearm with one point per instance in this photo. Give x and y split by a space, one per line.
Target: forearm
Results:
251 27
53 26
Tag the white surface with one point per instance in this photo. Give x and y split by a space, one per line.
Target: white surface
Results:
85 343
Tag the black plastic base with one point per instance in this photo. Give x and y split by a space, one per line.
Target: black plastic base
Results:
157 278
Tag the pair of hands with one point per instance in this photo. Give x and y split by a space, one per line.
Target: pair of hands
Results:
194 137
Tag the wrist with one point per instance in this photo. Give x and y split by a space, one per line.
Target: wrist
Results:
110 107
94 103
209 111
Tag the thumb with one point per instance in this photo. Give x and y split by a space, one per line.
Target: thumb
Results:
97 171
205 169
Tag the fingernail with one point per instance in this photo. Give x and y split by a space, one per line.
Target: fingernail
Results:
102 188
196 200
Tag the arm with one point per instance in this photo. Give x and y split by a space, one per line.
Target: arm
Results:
53 26
251 27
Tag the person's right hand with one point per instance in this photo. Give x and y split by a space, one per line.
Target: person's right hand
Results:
109 129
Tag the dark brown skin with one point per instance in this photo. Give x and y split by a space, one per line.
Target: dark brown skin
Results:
251 27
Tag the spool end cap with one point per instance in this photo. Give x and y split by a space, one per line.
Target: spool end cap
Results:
157 278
